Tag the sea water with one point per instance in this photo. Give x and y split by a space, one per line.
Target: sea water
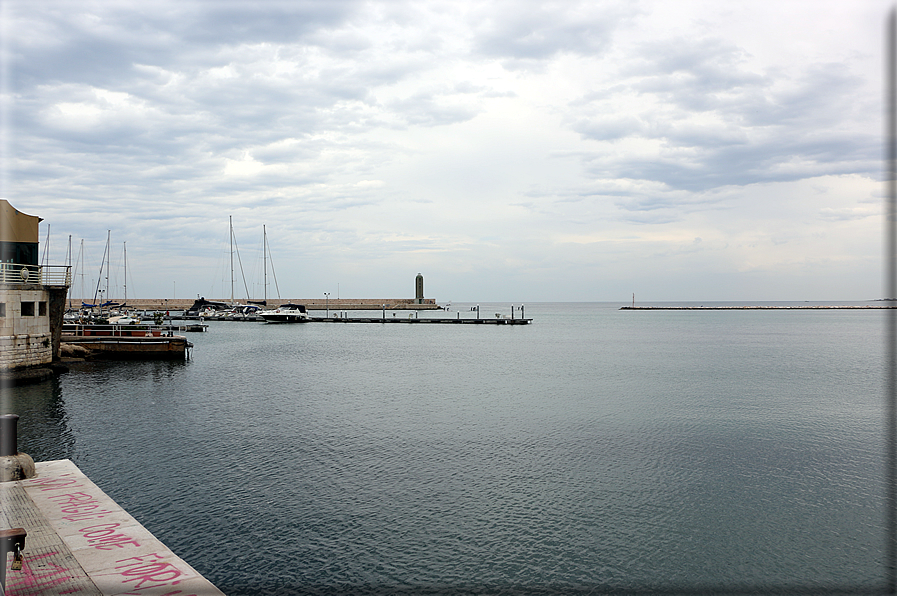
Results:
594 450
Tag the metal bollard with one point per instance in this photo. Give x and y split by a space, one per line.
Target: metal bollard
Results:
9 434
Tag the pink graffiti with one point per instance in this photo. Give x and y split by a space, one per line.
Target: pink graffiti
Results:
26 580
175 593
80 507
105 537
148 572
74 498
55 483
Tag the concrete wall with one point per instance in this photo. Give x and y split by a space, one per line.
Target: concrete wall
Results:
25 339
56 312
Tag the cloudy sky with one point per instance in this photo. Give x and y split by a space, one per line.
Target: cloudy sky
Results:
507 150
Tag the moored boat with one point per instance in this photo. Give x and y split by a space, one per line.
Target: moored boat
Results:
285 313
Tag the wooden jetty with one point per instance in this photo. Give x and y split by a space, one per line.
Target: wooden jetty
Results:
79 541
129 342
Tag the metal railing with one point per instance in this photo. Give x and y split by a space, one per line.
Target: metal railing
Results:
132 330
35 275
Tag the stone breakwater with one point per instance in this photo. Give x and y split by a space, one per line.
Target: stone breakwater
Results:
310 303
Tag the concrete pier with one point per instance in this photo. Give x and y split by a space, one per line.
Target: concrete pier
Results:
421 320
80 541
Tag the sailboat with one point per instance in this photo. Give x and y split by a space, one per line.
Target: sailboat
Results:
285 313
234 311
264 301
99 291
266 256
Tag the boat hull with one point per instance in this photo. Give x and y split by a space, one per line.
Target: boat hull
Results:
285 318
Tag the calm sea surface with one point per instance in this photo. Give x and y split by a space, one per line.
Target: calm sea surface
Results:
593 450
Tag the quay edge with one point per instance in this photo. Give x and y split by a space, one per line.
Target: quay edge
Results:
81 541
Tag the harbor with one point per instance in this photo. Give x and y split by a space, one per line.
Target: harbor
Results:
479 299
332 459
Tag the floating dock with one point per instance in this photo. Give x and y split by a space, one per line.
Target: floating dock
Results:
422 320
129 342
80 541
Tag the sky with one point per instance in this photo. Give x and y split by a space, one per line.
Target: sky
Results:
515 151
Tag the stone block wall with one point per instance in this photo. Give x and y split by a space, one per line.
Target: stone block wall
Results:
25 337
22 351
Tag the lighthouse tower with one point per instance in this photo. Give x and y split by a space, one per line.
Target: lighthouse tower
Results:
419 289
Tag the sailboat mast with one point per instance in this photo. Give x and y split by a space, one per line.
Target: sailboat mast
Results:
230 219
68 262
265 261
126 273
46 259
80 262
108 258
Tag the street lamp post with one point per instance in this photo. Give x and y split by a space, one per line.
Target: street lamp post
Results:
327 304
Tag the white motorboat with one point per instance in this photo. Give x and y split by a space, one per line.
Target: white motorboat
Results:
285 313
125 319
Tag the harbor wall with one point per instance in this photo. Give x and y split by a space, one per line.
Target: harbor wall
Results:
310 303
56 311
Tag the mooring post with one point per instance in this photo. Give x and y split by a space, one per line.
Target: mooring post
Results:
13 465
11 541
9 434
